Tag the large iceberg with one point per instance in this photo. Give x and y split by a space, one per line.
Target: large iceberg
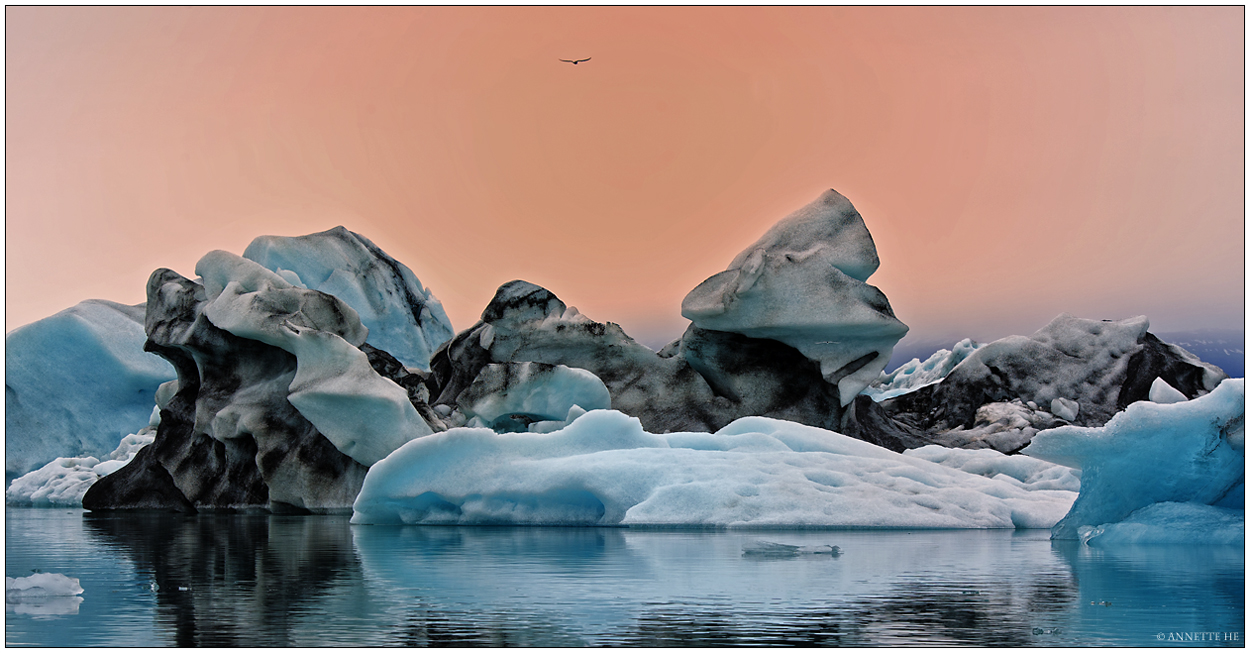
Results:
365 415
76 383
1151 473
999 395
604 469
704 381
249 346
403 318
803 283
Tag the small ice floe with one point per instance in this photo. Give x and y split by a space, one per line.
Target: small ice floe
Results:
763 549
43 594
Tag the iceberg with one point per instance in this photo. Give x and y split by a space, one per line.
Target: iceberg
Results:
1170 522
1142 472
1100 366
519 396
1072 371
64 481
915 374
766 549
803 283
404 319
605 470
363 414
42 594
76 383
1163 393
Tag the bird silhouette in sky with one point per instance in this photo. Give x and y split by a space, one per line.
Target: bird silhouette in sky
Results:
575 61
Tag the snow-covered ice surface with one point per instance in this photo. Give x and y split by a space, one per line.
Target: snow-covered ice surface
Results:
403 317
915 374
42 594
603 469
63 482
76 383
1030 473
1142 470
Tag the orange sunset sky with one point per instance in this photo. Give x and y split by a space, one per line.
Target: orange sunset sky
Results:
1011 163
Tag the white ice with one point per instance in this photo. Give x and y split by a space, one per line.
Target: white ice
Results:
603 469
1151 453
403 317
1030 473
915 374
76 383
41 584
546 393
42 594
1161 392
64 481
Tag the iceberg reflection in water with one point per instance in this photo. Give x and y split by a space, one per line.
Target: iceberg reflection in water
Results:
214 580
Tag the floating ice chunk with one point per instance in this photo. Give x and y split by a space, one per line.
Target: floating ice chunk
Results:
1171 523
42 594
915 374
603 469
38 585
1064 409
1150 453
403 318
765 549
64 481
1162 393
87 362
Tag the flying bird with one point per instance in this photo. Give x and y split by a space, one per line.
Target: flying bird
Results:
575 61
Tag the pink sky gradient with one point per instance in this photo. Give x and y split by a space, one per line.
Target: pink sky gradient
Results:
1011 163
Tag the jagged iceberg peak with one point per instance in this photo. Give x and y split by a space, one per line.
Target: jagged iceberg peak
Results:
829 228
403 317
803 284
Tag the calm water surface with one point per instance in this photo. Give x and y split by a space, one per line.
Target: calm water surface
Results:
263 580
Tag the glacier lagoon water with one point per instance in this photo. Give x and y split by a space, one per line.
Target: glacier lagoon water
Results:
270 580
